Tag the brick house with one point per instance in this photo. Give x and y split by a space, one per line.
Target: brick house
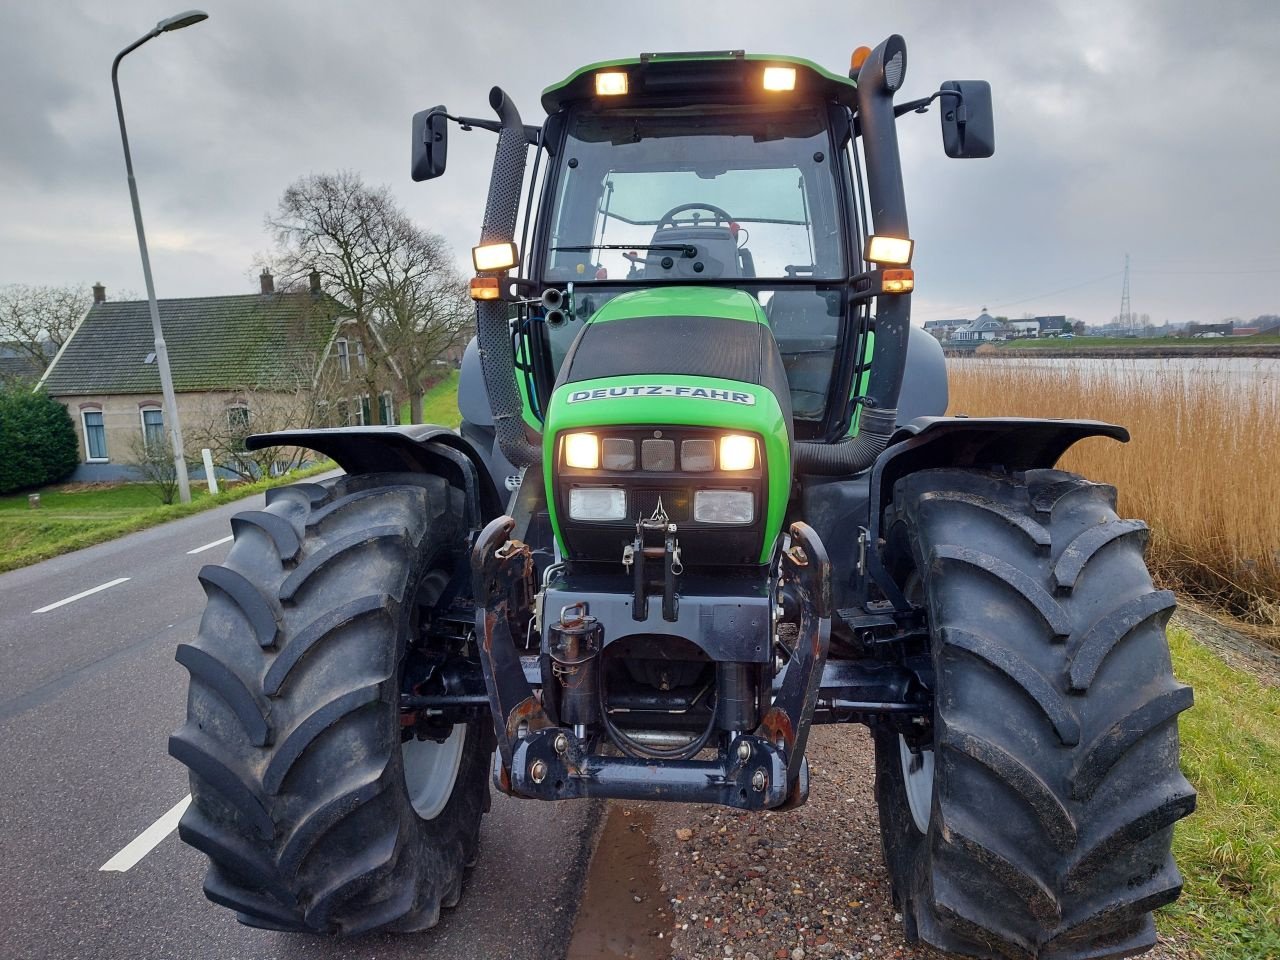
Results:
228 355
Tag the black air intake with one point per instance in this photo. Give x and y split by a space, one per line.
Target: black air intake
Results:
493 329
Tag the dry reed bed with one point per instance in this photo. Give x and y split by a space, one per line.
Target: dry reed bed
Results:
1202 469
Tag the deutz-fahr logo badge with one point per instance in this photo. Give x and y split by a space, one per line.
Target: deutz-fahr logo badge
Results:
664 390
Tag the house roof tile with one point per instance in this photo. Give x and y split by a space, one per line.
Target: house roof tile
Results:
214 343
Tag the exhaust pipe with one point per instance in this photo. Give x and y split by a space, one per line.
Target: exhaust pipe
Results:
519 443
880 77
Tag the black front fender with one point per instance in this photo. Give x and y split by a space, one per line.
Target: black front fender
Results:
1013 443
415 448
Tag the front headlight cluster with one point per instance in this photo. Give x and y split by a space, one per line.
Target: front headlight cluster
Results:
697 455
697 479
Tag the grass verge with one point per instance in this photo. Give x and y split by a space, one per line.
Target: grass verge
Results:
439 403
1229 849
71 518
1200 468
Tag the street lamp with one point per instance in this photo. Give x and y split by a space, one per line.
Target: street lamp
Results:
176 22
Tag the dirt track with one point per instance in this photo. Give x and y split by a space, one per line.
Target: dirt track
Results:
802 885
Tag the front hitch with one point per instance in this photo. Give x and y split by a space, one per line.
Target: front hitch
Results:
539 759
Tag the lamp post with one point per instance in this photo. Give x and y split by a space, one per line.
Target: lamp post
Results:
176 22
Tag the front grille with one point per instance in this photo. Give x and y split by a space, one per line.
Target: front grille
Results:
676 503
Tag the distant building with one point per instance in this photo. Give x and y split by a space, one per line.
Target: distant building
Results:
984 327
943 329
1052 325
18 366
225 353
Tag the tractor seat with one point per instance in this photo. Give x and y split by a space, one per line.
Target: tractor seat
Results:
717 252
806 326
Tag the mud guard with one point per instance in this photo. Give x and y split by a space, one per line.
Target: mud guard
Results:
411 448
1012 443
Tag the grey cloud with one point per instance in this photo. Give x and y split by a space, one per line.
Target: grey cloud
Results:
1146 127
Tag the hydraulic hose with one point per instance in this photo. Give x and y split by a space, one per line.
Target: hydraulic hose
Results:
493 329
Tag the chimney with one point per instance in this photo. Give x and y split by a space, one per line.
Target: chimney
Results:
315 282
268 281
99 293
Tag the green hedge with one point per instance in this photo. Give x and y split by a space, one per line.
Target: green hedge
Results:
38 443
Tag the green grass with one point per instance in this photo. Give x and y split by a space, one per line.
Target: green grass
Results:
440 404
76 517
1172 343
1229 849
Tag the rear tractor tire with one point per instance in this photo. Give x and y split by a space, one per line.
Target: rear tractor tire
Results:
316 812
1034 818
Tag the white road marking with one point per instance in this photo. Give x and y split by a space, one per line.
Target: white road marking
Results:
81 595
148 839
210 546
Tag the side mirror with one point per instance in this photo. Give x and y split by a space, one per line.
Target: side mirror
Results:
968 129
430 143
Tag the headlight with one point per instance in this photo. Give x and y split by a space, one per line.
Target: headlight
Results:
582 450
597 503
723 506
737 452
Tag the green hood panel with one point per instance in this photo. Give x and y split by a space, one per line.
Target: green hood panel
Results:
682 301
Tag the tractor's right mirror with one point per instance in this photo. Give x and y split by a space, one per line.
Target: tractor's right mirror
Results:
430 143
968 128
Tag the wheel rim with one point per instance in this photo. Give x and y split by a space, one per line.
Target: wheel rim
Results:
431 770
917 777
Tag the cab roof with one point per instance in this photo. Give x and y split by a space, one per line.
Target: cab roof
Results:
675 78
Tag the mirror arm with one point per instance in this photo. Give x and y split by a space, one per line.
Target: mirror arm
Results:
531 133
922 106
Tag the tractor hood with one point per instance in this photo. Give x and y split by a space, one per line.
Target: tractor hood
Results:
657 378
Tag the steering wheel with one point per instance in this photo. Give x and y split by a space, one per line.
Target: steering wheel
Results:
721 215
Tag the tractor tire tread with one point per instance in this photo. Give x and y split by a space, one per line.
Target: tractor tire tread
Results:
1037 646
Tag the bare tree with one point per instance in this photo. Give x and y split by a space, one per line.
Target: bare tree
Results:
154 463
37 320
423 310
294 395
399 283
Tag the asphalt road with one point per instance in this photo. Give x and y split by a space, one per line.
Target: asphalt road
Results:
89 693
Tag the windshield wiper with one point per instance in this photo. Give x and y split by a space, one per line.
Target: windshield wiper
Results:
684 249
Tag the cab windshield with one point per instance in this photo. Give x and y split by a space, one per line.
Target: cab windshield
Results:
708 193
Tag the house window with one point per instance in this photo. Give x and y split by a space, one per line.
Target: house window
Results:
344 413
386 409
238 426
365 414
344 360
95 435
152 425
360 358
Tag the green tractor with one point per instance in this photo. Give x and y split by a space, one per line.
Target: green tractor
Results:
704 496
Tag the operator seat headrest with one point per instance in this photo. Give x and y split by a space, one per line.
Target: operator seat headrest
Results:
717 252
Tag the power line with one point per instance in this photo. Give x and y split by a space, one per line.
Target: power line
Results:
1041 296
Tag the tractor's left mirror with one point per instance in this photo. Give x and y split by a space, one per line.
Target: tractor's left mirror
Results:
968 129
430 143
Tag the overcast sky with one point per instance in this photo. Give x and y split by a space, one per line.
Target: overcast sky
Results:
1149 128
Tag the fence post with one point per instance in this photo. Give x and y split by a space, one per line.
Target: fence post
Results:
209 473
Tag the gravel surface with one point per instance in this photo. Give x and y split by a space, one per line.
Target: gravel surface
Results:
809 883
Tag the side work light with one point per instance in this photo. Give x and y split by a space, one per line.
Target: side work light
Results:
889 249
494 256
